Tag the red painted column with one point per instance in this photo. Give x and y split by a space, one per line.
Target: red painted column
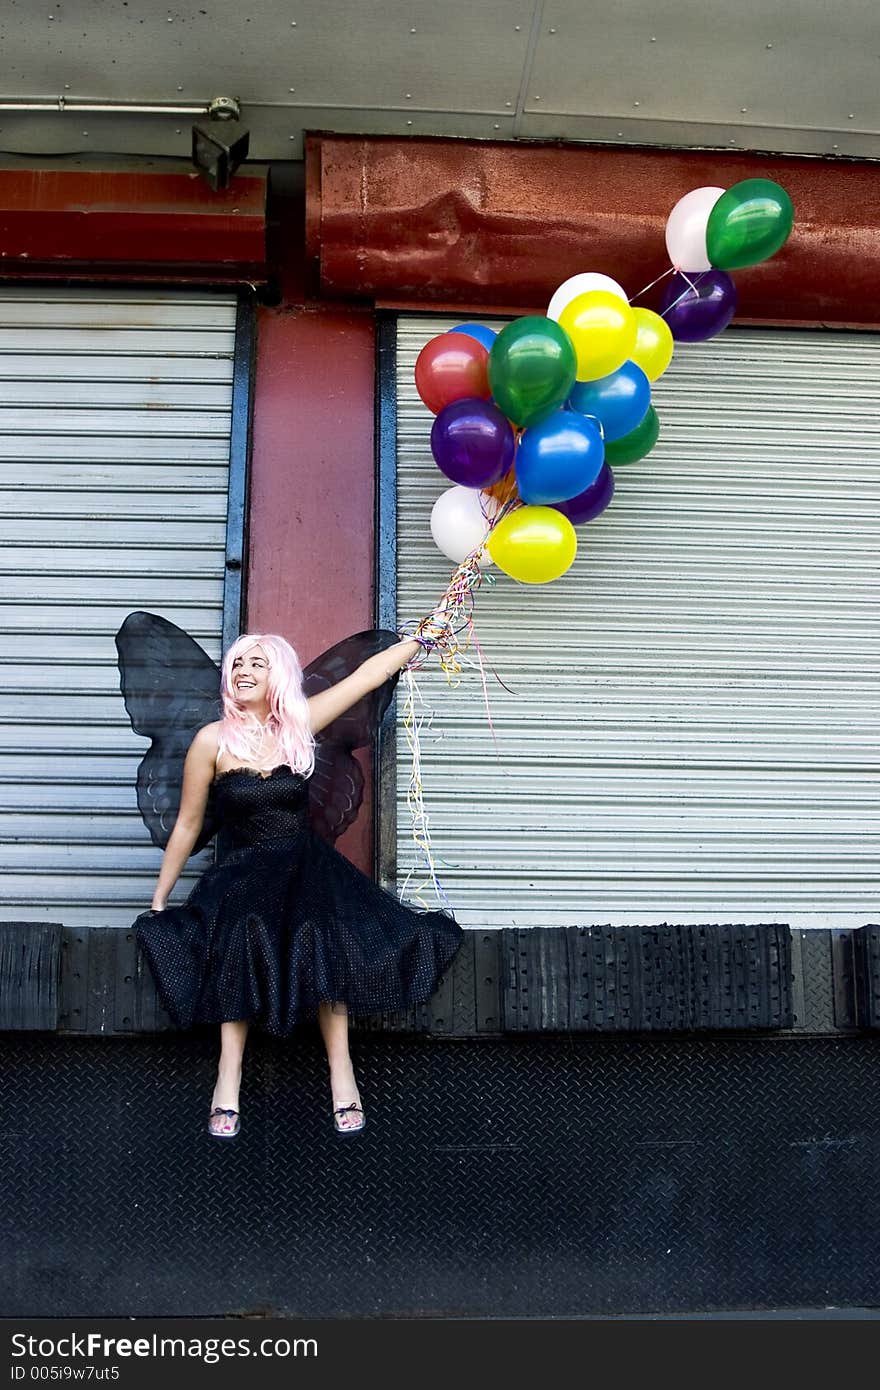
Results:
310 566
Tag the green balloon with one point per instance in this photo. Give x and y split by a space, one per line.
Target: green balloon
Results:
636 444
748 224
532 367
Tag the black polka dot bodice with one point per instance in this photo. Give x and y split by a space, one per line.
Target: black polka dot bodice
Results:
257 807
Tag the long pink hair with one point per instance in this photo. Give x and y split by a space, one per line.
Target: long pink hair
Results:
288 719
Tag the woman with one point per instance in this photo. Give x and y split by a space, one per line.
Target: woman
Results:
283 927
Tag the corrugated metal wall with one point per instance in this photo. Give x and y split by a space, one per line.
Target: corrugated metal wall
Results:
115 410
694 730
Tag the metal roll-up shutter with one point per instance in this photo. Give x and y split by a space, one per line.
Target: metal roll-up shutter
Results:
692 733
115 413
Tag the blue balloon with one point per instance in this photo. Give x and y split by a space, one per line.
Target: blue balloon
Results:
558 458
619 402
483 335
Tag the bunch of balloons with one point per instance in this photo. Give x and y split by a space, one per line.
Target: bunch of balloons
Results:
550 402
530 421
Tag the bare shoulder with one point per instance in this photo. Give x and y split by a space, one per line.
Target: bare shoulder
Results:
207 737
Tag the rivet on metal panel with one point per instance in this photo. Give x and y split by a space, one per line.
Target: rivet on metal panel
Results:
552 31
637 103
743 109
851 116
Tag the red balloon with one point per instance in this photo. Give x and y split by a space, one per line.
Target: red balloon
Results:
451 367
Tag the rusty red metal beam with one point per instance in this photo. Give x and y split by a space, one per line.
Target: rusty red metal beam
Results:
118 224
429 223
310 573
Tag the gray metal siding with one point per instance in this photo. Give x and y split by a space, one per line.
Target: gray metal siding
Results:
693 730
115 412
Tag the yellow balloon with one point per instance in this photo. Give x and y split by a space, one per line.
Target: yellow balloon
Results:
654 343
602 328
533 544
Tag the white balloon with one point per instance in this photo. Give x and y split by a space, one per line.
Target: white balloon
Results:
686 229
460 520
581 284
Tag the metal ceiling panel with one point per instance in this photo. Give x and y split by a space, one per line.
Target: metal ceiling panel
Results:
457 56
691 73
709 61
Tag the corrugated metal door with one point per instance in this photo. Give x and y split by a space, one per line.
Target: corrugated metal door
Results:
693 730
115 412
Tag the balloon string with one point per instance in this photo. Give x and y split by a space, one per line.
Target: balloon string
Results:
450 632
692 285
413 720
671 271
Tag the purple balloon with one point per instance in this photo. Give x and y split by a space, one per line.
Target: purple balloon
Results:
472 442
700 306
589 503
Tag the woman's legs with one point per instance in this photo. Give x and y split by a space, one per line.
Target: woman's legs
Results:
333 1023
233 1037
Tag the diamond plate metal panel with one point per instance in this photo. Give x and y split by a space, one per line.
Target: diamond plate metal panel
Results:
517 1177
814 1010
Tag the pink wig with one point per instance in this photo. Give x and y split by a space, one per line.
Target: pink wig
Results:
288 720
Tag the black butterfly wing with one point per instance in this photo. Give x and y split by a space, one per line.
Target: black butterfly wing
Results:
336 786
170 687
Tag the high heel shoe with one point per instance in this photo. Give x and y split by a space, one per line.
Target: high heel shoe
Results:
224 1133
349 1131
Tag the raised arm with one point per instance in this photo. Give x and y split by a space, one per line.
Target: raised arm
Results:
198 773
328 705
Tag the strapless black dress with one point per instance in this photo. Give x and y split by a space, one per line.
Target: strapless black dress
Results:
284 923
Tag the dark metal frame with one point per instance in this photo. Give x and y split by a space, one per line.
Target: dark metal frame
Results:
235 585
385 588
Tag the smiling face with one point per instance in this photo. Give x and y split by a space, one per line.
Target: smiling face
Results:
250 679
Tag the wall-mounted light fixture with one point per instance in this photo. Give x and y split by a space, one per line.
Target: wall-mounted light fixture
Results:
220 145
